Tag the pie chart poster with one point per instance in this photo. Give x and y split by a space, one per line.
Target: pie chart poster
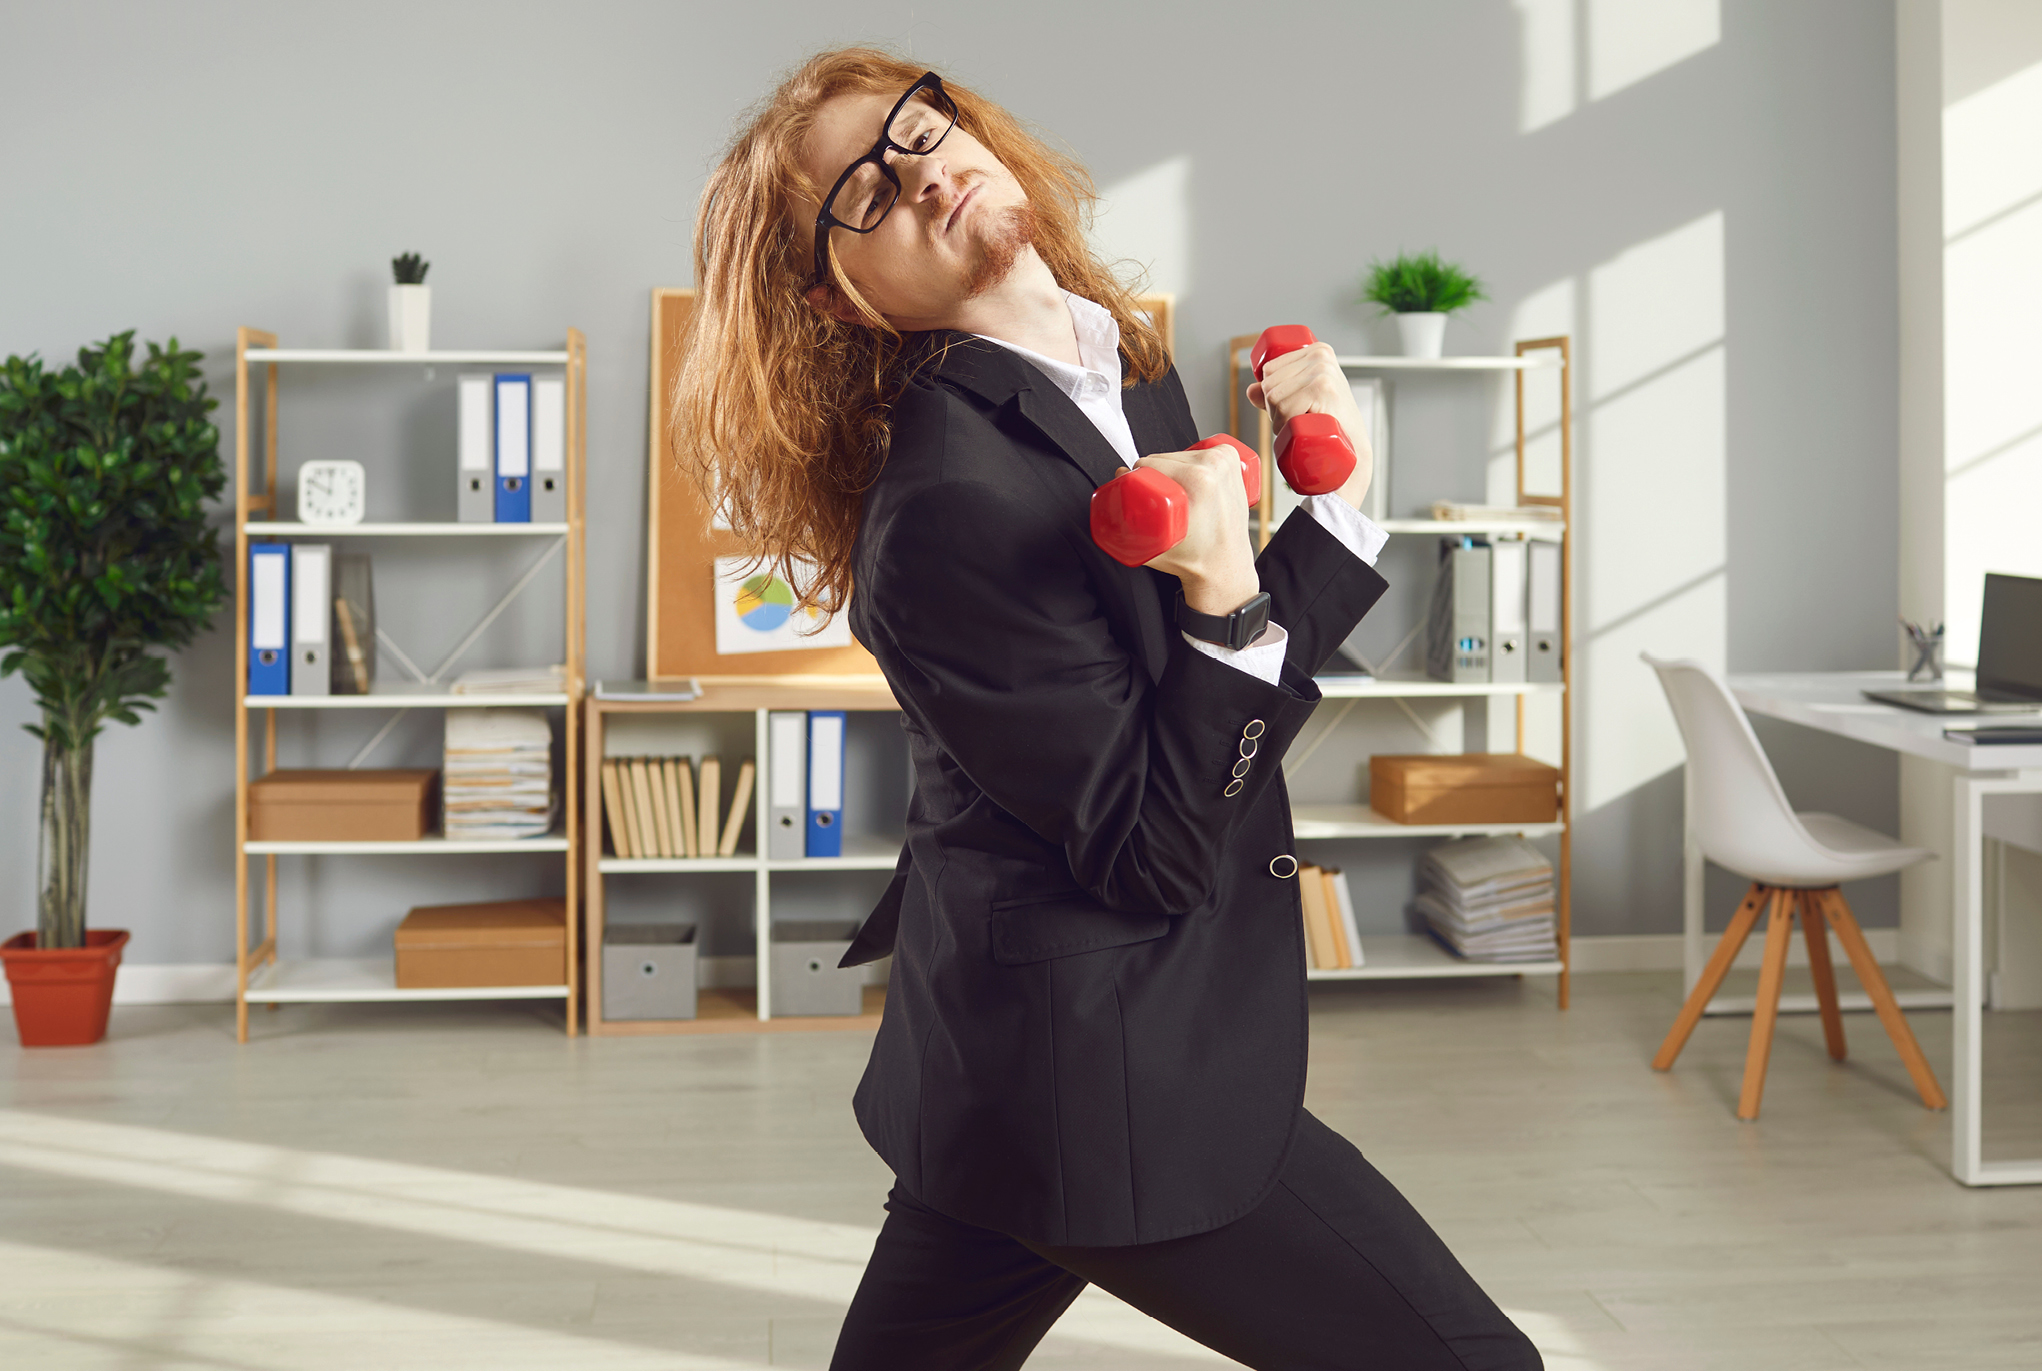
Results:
755 612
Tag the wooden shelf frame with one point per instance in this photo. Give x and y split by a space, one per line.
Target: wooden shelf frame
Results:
260 975
1528 356
756 696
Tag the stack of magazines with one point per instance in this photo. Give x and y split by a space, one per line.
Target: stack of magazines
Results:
1489 899
499 774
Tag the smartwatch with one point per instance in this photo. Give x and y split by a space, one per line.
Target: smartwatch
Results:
1234 631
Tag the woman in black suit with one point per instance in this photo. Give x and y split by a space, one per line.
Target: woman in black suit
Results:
906 370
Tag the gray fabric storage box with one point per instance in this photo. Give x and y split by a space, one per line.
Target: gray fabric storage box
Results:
806 977
649 971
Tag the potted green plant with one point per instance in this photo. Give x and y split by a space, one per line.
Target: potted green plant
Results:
411 304
1421 291
105 556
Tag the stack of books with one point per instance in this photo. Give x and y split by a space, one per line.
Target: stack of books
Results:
1332 942
499 774
672 806
1489 899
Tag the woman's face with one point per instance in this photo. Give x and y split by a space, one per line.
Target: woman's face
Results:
955 231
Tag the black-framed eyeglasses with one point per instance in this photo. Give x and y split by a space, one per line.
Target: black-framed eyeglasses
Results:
868 190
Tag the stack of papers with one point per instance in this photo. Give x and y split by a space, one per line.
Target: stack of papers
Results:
499 774
1489 899
513 680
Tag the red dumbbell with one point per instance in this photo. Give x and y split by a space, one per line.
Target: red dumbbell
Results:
1141 513
1312 451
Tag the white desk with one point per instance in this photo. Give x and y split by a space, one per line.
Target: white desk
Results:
1996 794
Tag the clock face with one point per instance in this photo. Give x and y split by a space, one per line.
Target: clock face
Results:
332 492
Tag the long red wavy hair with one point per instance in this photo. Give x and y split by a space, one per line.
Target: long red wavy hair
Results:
779 411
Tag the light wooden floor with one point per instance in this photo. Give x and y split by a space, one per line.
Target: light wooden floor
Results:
457 1187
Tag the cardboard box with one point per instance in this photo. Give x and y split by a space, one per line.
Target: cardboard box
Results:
506 942
341 806
649 971
806 977
1464 788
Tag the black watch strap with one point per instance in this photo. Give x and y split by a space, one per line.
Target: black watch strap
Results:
1234 631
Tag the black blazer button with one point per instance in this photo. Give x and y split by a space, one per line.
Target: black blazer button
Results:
1254 729
1234 788
1283 866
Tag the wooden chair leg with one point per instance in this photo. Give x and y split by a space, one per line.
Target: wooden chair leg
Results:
1815 928
1853 939
1779 934
1712 977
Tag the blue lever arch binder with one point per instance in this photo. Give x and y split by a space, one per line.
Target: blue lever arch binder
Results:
269 619
825 783
513 448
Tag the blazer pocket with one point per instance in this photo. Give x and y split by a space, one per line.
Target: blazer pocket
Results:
1039 927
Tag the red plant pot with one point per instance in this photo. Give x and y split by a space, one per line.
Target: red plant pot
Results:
62 994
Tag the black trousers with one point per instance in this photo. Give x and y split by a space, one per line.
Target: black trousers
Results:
1335 1270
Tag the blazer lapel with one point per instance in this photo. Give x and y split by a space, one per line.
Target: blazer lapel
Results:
998 375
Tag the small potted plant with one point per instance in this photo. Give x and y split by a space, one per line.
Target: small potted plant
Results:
411 305
1421 291
105 554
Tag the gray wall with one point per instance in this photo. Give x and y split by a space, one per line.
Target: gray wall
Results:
185 169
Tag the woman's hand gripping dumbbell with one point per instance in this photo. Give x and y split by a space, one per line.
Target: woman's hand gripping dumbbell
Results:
1321 446
1176 512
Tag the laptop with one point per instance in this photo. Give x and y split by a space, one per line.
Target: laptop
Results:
2009 656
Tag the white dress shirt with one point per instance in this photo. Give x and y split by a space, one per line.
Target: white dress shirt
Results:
1094 387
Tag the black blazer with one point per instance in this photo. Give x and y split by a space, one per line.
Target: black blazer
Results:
1095 1027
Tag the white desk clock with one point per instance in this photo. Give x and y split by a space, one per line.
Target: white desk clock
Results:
333 493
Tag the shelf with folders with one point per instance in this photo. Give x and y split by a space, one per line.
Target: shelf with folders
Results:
731 720
1328 806
264 972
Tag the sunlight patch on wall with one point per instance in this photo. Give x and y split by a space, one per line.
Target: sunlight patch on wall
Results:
1629 40
1654 502
1992 302
1546 80
1145 220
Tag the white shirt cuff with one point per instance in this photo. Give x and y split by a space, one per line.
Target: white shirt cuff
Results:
1262 659
1361 534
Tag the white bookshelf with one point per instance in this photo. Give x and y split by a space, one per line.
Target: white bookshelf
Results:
1415 688
1366 362
1360 821
411 695
389 358
338 980
429 846
1551 529
258 528
1413 956
263 974
1397 956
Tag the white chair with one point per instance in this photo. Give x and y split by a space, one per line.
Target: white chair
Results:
1742 821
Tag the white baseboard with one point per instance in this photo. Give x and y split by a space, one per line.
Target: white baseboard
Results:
171 983
1661 951
209 983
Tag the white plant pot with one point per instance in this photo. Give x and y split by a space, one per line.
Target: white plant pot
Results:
1422 334
411 318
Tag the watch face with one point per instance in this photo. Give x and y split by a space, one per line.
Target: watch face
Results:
331 492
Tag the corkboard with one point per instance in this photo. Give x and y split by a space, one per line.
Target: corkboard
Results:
681 550
681 547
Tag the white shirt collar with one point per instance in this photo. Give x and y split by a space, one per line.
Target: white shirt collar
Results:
1098 371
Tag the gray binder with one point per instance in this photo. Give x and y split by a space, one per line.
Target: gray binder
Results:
1457 625
786 786
1507 572
1542 613
549 449
476 469
311 619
